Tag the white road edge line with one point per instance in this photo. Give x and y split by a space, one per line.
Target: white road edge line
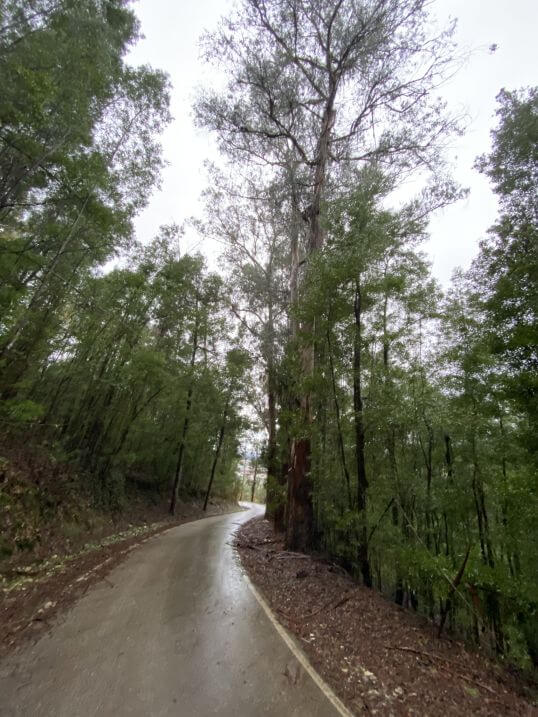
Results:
299 654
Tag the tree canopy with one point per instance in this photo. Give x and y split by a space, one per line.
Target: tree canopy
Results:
396 422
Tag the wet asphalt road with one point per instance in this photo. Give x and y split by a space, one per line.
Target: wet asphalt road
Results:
174 630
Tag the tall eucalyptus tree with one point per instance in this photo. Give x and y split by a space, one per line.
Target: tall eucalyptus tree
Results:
337 82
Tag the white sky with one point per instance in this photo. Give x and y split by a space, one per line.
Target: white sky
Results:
172 29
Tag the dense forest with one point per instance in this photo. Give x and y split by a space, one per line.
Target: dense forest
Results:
399 420
124 372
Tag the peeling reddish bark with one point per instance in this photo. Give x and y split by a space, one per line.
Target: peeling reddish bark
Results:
299 532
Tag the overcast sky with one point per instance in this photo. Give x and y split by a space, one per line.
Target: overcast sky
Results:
172 29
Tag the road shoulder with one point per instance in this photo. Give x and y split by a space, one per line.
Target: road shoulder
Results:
374 655
34 596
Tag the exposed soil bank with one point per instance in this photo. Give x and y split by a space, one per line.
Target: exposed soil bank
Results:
378 658
33 592
49 508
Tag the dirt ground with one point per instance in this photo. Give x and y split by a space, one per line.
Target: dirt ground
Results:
378 658
31 594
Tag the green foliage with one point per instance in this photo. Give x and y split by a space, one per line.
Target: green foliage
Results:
447 459
99 365
419 411
79 155
24 411
507 268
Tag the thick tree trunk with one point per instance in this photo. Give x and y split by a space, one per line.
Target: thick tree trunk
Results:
281 516
274 507
300 512
299 534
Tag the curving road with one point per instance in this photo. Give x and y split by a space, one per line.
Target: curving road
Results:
175 630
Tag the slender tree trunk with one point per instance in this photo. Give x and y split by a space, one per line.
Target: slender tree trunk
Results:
399 591
427 454
178 474
216 457
136 411
385 333
48 271
243 480
188 404
362 482
492 601
510 556
453 587
345 470
253 488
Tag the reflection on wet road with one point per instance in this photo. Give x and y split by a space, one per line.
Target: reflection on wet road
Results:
173 631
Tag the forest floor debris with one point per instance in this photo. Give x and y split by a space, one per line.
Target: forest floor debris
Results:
379 658
32 594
